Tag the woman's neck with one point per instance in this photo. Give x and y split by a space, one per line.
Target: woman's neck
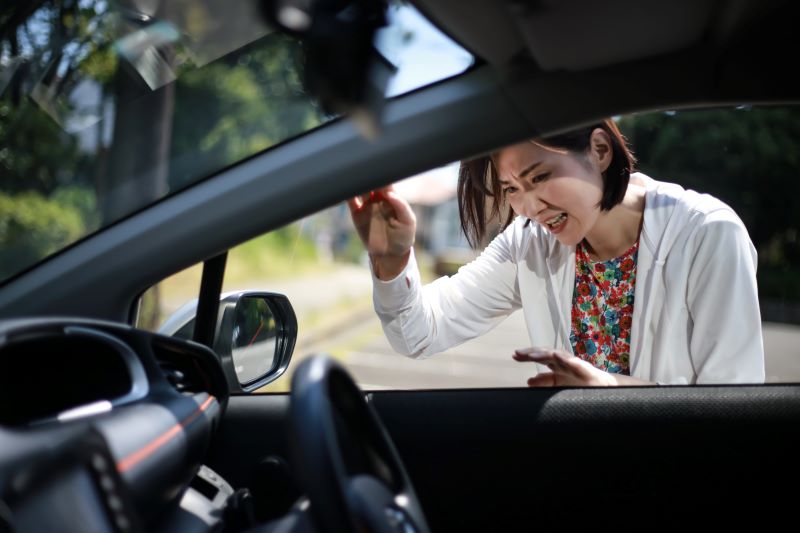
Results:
618 229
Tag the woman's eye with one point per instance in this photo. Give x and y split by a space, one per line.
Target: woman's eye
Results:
541 177
509 190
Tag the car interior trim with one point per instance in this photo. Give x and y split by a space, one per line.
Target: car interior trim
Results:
140 386
148 449
208 301
91 409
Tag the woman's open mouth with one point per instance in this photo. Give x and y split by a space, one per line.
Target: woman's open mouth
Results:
556 224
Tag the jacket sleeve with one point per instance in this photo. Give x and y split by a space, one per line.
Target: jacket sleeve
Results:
421 321
726 341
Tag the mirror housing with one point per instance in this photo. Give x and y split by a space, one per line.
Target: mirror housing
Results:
254 338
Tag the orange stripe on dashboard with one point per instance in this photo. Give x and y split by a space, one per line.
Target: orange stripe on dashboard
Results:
142 453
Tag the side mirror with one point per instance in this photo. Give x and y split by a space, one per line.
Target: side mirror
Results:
255 336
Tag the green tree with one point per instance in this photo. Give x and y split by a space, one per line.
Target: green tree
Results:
33 227
243 103
748 157
161 136
47 198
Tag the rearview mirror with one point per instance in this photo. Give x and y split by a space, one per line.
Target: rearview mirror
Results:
342 68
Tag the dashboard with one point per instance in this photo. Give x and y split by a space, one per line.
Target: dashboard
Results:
103 427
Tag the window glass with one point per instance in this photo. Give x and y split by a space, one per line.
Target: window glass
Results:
164 300
108 107
421 53
747 157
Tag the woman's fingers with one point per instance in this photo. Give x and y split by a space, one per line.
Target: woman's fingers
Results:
543 380
355 203
383 211
384 198
528 354
535 352
402 209
554 359
390 203
385 222
566 369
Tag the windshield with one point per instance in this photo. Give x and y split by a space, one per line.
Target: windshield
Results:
108 107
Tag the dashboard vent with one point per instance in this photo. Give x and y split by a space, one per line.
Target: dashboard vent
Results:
190 367
177 377
179 366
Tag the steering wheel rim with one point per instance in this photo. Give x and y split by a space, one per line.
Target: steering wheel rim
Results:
343 455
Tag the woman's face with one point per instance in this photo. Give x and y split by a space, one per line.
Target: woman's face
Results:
558 190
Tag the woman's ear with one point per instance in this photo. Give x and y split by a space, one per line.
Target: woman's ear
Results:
600 147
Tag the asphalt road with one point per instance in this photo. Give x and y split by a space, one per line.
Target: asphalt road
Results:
482 362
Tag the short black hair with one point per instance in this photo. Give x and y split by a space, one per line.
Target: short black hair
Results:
478 178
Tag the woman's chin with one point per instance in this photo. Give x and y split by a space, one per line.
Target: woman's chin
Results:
568 241
568 238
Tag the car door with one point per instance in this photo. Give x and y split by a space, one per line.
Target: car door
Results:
518 459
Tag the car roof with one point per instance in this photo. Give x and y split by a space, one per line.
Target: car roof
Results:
576 35
543 67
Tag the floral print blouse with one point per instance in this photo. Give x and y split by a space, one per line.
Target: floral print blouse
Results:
602 309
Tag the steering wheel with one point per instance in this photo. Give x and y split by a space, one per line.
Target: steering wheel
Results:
344 458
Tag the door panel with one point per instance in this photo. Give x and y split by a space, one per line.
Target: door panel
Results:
524 459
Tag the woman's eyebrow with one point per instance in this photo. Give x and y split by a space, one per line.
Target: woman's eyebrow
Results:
527 170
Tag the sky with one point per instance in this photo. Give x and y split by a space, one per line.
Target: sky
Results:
423 55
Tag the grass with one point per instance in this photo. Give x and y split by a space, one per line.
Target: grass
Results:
273 256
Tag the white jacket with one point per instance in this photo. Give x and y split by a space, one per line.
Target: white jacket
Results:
696 316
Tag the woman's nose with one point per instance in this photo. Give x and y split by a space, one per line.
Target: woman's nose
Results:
533 205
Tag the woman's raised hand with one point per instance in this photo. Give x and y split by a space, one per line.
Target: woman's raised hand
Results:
386 225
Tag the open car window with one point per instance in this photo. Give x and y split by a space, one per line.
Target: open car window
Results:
745 156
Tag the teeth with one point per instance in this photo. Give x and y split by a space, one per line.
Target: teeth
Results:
556 219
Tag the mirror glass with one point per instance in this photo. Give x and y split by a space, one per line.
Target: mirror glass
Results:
253 339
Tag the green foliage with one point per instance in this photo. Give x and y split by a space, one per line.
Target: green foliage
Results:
283 252
779 283
35 153
81 199
240 105
100 64
212 116
32 227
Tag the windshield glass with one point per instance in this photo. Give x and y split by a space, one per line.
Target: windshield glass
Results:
108 107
